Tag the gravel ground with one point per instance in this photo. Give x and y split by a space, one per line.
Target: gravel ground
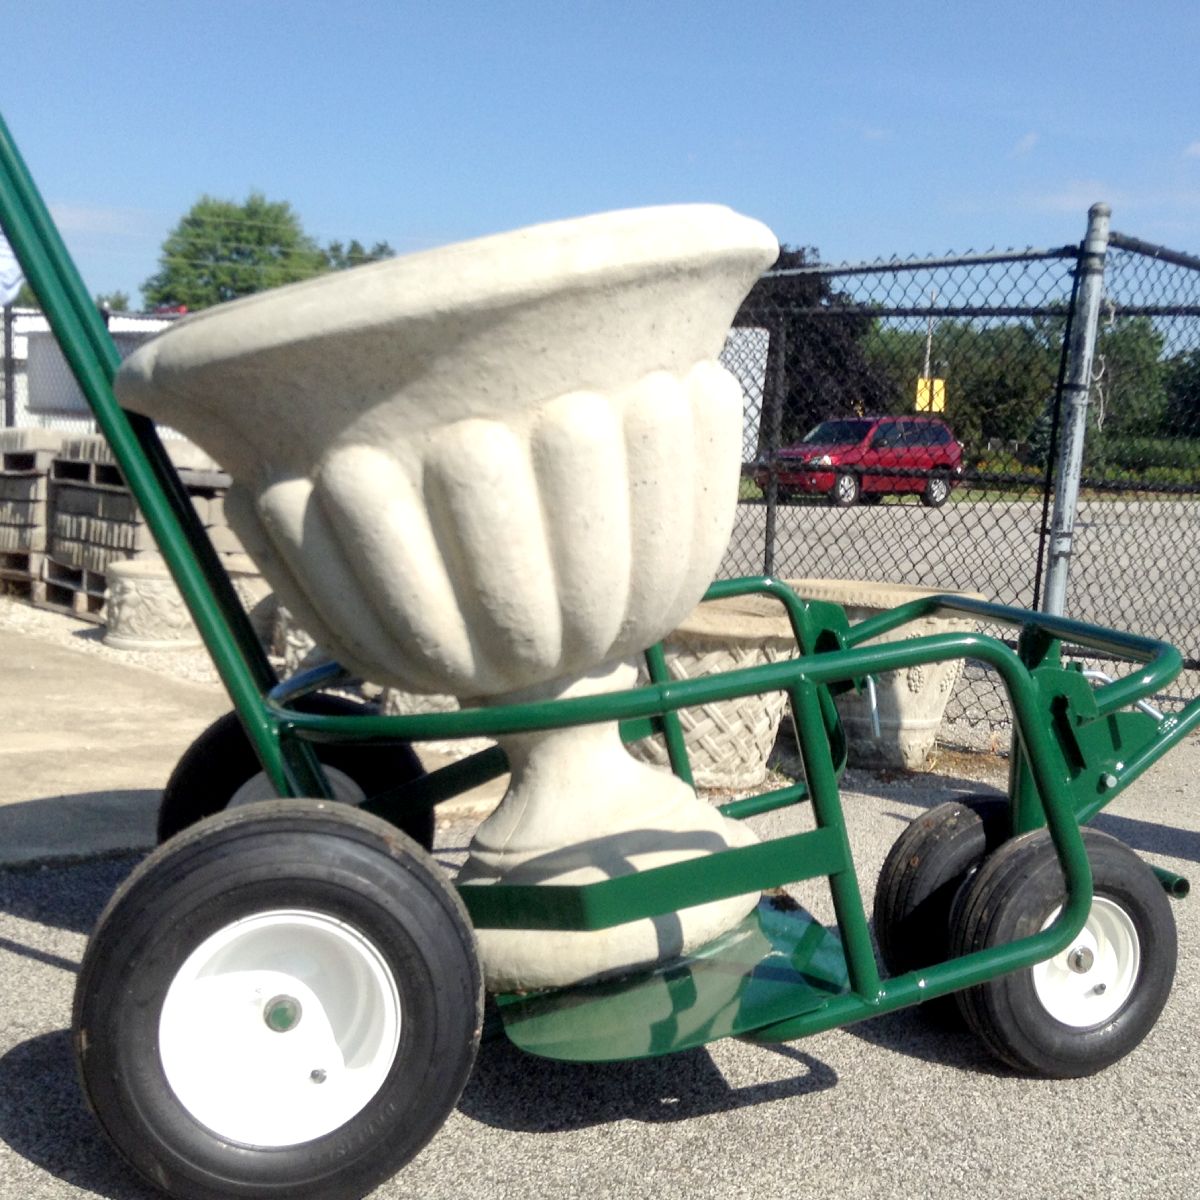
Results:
19 617
890 1109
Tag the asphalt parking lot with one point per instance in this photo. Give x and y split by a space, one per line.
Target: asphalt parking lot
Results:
895 1107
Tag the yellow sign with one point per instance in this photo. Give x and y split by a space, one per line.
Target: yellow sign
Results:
931 395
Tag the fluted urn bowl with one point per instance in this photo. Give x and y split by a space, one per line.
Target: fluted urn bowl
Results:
494 469
432 455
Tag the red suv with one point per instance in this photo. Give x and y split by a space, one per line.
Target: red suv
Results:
869 457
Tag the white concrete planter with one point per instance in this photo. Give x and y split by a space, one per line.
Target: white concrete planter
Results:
144 610
497 470
728 743
911 703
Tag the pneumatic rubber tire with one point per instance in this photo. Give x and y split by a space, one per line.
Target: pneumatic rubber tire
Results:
221 762
1084 1009
845 490
924 872
284 1000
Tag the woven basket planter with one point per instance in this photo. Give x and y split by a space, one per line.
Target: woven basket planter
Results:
728 743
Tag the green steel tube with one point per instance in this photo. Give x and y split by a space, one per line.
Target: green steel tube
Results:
1176 886
672 730
827 808
765 802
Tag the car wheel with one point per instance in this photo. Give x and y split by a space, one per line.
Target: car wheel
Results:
937 491
845 490
220 769
1091 1004
285 1000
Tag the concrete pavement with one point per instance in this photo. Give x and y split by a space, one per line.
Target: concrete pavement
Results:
892 1108
87 743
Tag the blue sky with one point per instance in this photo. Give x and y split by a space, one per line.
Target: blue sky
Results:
864 129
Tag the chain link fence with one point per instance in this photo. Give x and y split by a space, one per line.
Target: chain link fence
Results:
986 344
1137 551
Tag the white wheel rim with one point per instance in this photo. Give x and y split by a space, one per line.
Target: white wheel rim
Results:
845 487
938 489
1093 978
279 1028
258 787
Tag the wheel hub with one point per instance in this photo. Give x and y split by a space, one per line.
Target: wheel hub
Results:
302 974
1081 959
282 1013
1090 982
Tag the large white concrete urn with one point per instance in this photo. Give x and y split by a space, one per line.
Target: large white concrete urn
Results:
497 470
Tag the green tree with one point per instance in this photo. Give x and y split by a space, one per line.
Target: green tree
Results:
815 360
1181 375
1129 379
340 257
221 250
113 301
997 376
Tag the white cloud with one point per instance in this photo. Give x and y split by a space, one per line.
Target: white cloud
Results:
1024 145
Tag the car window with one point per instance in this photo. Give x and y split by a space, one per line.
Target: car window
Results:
839 432
887 436
921 433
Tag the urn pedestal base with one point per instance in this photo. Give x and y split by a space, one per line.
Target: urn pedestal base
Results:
579 810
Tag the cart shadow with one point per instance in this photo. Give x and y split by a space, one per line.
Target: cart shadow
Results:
937 1040
67 896
1150 837
513 1091
43 1118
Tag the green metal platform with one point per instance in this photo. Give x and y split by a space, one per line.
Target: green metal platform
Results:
777 964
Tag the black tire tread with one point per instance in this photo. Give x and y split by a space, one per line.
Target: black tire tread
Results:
1030 861
198 858
221 759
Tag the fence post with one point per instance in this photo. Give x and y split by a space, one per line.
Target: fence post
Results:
10 366
1084 323
772 418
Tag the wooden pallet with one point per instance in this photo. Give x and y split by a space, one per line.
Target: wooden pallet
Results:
73 590
61 599
22 564
33 590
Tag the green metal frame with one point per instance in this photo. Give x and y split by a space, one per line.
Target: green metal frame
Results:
1076 748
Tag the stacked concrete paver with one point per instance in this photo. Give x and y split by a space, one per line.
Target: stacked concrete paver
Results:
26 456
94 520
